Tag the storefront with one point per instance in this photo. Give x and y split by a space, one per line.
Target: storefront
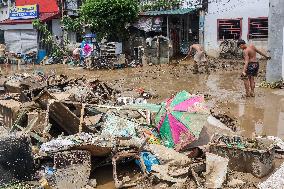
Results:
181 26
19 33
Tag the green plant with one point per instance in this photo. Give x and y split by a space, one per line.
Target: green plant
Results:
109 17
75 24
56 50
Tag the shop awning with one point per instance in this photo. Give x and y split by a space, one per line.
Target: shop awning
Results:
168 12
44 17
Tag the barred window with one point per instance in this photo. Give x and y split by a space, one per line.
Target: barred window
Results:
229 29
258 28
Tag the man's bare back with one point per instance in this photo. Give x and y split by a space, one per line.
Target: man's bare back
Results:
251 51
196 47
251 66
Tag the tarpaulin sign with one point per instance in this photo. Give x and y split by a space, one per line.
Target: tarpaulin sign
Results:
24 12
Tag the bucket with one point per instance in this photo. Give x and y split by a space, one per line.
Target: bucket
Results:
40 56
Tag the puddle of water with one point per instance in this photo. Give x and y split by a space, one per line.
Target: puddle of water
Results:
104 177
274 114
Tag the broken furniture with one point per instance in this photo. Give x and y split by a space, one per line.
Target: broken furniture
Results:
246 156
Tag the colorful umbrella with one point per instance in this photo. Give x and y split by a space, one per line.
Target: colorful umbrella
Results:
181 119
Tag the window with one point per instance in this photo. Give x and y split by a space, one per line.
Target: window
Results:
2 40
229 29
258 28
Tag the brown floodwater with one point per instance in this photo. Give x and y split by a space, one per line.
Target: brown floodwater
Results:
261 115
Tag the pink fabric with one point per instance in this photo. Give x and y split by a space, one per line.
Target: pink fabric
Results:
178 129
87 48
185 105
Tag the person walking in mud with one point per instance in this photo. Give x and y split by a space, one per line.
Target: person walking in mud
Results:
199 57
251 66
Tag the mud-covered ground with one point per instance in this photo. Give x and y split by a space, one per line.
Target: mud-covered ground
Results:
222 87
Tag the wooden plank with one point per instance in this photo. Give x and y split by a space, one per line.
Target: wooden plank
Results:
67 120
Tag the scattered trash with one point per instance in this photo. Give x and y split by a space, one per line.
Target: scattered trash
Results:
148 160
216 170
71 126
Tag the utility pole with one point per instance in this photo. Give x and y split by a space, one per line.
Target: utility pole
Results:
275 67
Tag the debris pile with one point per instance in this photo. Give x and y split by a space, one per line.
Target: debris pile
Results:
59 130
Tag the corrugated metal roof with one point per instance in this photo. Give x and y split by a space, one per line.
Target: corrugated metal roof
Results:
168 12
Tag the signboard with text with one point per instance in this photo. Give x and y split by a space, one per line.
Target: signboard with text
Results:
24 12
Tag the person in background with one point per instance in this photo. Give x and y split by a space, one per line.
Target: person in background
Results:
251 66
76 53
199 56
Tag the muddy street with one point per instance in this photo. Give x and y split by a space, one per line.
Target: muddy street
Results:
222 88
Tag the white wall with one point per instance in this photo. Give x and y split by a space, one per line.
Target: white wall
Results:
21 40
229 9
4 13
56 28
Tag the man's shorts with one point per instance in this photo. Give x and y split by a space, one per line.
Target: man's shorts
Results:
200 57
252 69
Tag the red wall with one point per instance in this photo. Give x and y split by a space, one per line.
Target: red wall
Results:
44 5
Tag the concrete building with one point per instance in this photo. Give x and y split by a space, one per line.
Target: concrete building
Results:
70 8
19 33
275 67
4 14
236 19
4 10
178 22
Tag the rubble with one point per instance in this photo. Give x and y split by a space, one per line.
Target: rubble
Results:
97 145
73 169
235 183
256 155
172 164
216 170
275 180
76 125
16 160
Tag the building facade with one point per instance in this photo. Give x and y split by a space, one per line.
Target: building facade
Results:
178 21
235 19
4 14
19 33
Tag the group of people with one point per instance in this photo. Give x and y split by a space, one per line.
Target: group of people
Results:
85 50
251 65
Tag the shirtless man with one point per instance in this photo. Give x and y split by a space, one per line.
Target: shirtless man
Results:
251 66
199 56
